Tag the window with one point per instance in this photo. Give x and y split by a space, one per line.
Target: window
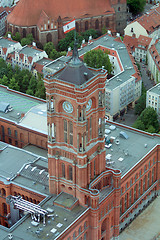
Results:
70 173
63 170
80 230
15 134
87 131
9 131
90 128
131 29
71 133
144 184
65 131
74 236
135 192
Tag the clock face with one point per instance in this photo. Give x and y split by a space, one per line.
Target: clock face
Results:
67 106
89 104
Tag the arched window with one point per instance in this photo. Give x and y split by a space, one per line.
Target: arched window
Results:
86 25
135 192
63 170
65 130
79 230
33 32
74 235
144 184
71 133
70 173
3 192
9 132
85 225
15 134
4 207
97 24
90 127
107 22
24 32
49 37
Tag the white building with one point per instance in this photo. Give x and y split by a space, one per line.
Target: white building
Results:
147 25
8 46
153 98
154 61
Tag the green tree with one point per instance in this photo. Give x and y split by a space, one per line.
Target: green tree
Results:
136 6
32 86
150 118
48 47
4 80
13 84
17 37
30 37
147 121
25 41
141 104
90 32
151 129
40 90
97 59
68 41
139 125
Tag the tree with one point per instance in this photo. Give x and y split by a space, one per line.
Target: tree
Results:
25 41
90 32
139 125
68 41
4 80
136 6
13 84
40 90
32 86
17 37
48 47
141 104
148 120
97 59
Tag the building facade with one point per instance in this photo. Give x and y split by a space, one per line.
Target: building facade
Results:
47 23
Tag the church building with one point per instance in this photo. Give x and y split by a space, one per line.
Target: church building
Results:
47 18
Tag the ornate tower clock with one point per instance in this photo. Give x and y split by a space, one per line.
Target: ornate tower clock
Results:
76 122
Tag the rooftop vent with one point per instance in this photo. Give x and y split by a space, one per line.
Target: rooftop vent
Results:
86 75
112 127
123 135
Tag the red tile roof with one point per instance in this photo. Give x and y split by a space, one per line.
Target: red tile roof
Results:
151 20
66 9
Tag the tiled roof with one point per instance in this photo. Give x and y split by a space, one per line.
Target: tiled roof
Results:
151 20
22 16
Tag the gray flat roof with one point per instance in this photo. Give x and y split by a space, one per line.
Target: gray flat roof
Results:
36 118
20 104
30 51
125 153
44 61
155 89
6 42
24 168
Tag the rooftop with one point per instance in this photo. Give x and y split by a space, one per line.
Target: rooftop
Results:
21 103
124 58
6 42
30 51
127 149
155 89
21 16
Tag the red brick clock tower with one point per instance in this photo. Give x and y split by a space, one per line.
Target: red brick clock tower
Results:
76 122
